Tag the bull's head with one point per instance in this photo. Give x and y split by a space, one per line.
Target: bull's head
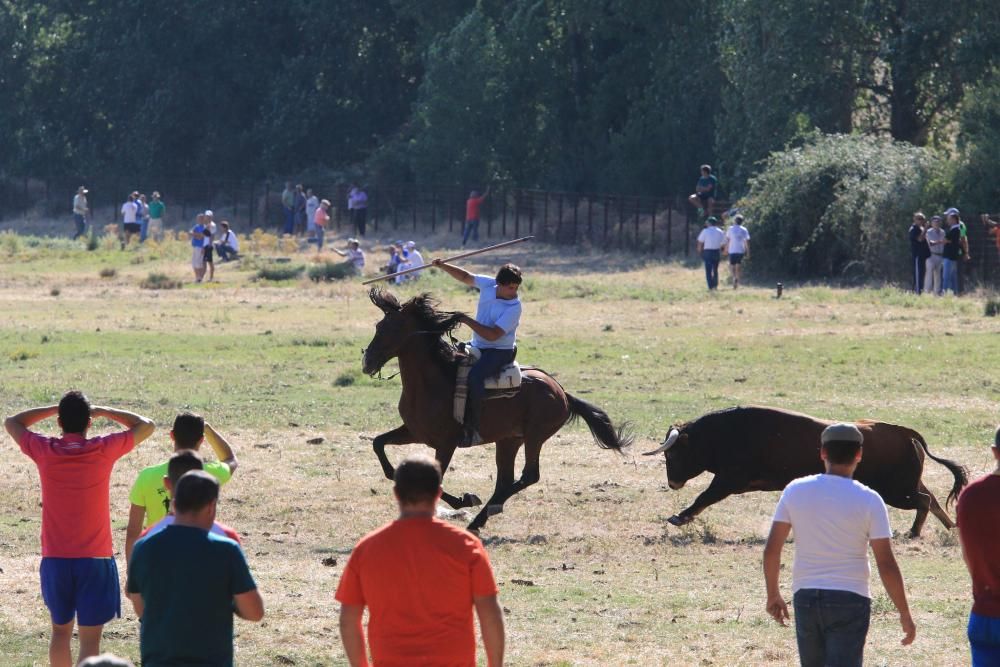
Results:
682 460
390 333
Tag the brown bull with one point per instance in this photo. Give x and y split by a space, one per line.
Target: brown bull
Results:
762 449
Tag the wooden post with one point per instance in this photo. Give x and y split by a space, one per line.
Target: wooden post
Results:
503 225
636 242
670 223
517 212
413 210
434 209
559 219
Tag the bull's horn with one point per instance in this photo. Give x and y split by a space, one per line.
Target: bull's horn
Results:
667 444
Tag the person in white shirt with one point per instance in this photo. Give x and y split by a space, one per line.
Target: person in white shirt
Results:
354 254
312 203
738 247
228 244
130 218
835 519
80 211
710 242
416 259
935 241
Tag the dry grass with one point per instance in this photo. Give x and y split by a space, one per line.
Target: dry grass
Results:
613 584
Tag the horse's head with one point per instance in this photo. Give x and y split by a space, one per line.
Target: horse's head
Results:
400 323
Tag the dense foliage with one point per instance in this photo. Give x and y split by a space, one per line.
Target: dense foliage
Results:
608 95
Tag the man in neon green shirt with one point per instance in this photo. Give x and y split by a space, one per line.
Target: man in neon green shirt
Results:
150 499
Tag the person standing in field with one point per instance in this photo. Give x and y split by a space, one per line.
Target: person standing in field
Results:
186 582
130 218
320 219
157 209
198 247
79 576
952 252
472 206
710 241
312 205
919 251
300 210
80 211
737 246
142 209
150 498
357 203
207 244
422 613
978 515
935 244
288 208
835 519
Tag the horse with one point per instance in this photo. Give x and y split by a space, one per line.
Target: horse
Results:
414 332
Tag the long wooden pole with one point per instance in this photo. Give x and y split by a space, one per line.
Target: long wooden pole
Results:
448 259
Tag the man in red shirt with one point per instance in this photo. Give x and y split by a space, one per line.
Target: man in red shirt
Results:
78 572
978 515
420 579
472 205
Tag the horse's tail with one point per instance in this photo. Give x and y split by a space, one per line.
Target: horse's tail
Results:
959 472
604 432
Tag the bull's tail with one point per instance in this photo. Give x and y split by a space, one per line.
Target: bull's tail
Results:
959 472
604 432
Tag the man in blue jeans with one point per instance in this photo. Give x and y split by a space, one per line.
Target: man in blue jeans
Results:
493 334
835 519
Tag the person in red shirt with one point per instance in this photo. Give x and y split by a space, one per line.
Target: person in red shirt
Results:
978 515
472 205
78 572
420 578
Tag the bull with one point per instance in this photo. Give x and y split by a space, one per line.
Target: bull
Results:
758 448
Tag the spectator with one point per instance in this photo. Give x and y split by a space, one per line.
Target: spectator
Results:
207 244
704 195
357 204
709 248
150 498
288 207
186 582
952 252
198 247
935 243
919 251
835 518
439 574
320 219
79 576
156 210
416 259
106 660
142 210
80 211
354 254
300 210
130 218
312 205
228 244
181 462
978 514
737 245
472 206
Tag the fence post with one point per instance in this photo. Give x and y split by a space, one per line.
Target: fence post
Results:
621 221
517 213
434 209
375 207
545 215
531 215
590 219
670 223
559 219
253 202
637 204
414 201
652 230
576 217
687 233
489 219
503 225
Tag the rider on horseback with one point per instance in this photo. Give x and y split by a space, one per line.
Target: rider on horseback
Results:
493 332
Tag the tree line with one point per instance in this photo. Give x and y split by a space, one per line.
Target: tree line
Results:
584 95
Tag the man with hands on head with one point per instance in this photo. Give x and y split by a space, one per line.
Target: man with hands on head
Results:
493 333
79 576
835 519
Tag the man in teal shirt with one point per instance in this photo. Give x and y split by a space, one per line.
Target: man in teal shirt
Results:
185 583
156 210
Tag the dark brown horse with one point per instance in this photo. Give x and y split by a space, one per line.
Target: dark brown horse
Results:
414 332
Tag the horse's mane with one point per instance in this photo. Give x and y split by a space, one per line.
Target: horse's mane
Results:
430 321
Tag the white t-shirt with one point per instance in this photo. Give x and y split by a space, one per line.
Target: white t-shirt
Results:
737 236
129 211
833 519
230 239
711 238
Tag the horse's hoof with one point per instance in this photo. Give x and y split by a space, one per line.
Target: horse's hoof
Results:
471 500
676 520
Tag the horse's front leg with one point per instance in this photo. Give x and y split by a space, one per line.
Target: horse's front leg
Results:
443 455
397 436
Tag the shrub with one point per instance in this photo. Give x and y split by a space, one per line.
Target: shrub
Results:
344 380
838 201
92 243
11 242
55 291
160 281
109 272
327 271
992 308
280 272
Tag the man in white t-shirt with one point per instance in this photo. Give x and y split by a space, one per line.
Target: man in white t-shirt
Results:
130 219
710 242
738 247
835 518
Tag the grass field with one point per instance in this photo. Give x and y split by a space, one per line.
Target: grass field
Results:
590 572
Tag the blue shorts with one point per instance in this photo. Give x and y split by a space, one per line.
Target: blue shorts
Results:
86 588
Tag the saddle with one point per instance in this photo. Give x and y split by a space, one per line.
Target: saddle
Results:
502 385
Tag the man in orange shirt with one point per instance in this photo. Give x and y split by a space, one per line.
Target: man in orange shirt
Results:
78 571
472 205
420 578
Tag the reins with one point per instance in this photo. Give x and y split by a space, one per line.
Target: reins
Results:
414 333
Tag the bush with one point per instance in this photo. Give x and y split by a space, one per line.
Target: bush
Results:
992 308
280 272
327 271
109 272
160 281
838 201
